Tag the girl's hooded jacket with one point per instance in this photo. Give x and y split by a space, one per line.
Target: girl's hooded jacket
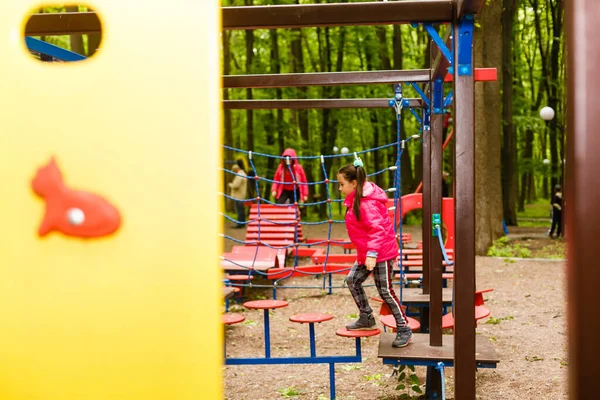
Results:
374 232
283 175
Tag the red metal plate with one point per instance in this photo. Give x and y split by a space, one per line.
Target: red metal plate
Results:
310 317
346 333
265 304
230 319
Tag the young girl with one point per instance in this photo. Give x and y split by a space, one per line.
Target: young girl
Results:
284 192
371 230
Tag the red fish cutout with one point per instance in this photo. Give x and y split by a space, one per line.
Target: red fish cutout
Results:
72 212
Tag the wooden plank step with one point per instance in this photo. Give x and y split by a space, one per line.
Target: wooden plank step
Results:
273 217
419 352
274 235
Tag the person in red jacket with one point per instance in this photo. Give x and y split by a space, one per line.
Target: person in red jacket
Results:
284 192
371 231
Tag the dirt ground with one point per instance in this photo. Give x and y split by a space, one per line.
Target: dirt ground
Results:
527 329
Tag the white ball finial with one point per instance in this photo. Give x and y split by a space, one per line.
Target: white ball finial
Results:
547 113
335 149
546 161
75 216
344 150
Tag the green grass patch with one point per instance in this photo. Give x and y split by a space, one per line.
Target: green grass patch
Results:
539 209
502 248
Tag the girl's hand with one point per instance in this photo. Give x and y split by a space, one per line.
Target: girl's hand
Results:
305 199
274 194
370 263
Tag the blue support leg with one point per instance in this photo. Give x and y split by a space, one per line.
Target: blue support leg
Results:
332 381
313 350
267 335
330 284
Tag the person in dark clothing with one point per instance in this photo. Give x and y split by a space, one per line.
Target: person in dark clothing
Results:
557 204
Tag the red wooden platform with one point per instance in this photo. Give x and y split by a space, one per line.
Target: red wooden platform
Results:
266 258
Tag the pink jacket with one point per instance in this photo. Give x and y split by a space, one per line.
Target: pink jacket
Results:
374 233
283 175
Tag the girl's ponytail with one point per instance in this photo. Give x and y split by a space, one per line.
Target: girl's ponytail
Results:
355 172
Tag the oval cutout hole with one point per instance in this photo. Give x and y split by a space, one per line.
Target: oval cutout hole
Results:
59 33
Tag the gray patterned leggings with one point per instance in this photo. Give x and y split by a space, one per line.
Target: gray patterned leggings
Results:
382 274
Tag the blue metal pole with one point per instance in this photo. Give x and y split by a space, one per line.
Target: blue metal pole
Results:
267 335
330 284
332 381
313 350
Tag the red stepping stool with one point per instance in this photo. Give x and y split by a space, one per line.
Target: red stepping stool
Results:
390 322
311 319
239 278
357 334
481 311
266 305
230 319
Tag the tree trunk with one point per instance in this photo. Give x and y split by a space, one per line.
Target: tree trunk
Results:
277 120
509 148
553 100
297 64
249 96
488 127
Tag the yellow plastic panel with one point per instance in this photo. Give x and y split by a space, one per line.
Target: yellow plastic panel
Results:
134 315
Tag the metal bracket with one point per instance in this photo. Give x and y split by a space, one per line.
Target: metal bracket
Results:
398 101
426 119
465 45
436 221
421 93
412 110
438 96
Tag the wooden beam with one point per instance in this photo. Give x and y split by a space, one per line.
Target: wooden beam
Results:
63 24
269 81
469 7
337 14
311 104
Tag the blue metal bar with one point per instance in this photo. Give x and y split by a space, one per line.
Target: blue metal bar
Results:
292 360
313 350
421 93
441 240
413 112
330 284
267 335
448 99
438 96
52 50
440 368
437 39
465 45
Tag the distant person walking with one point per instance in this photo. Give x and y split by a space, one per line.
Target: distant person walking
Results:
557 204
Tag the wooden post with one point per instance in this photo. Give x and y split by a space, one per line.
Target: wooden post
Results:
464 189
583 195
